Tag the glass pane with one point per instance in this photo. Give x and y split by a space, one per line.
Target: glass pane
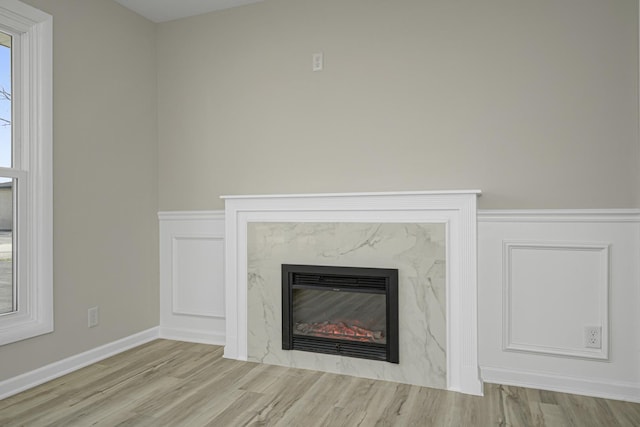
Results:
352 316
8 295
5 101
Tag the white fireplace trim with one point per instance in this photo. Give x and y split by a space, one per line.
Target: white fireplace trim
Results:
456 209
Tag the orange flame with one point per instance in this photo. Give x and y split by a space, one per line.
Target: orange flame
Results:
340 330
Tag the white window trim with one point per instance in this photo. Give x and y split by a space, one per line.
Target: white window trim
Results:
33 29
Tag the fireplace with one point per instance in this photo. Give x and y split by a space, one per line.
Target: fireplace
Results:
347 311
438 302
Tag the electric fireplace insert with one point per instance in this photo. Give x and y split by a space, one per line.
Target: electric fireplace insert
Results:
347 311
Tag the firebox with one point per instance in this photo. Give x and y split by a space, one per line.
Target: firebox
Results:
347 311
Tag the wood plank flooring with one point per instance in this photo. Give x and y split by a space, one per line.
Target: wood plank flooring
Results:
170 383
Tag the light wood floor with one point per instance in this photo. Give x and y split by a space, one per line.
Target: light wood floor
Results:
169 383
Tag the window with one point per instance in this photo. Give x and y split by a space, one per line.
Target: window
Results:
26 272
8 288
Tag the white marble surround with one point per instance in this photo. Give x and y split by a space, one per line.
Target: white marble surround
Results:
455 210
417 251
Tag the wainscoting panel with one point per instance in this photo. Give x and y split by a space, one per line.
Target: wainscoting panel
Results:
540 280
194 272
545 276
192 276
542 277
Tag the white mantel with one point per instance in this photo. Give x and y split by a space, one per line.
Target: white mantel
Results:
455 209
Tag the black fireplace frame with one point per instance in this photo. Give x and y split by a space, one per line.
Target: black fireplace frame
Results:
349 279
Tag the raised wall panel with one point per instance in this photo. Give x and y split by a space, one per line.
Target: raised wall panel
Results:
195 275
552 291
543 275
192 276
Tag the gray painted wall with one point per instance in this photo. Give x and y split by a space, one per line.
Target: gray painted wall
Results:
533 102
105 192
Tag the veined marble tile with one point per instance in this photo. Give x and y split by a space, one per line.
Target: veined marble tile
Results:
416 250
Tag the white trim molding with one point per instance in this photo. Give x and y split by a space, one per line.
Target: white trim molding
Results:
191 216
54 370
561 215
32 31
618 390
456 209
192 335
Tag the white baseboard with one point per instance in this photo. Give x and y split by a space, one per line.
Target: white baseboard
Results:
192 335
49 372
608 390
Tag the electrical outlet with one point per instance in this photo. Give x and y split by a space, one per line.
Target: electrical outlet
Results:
93 315
317 62
593 337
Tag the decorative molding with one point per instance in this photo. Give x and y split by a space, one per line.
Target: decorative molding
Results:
560 215
201 276
617 390
456 209
191 216
175 282
192 335
446 193
603 297
49 372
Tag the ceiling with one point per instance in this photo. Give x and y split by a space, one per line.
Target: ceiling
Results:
168 10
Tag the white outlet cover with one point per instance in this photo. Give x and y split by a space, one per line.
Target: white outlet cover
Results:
593 337
93 315
317 61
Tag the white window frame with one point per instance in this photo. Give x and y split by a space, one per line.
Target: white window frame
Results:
32 48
